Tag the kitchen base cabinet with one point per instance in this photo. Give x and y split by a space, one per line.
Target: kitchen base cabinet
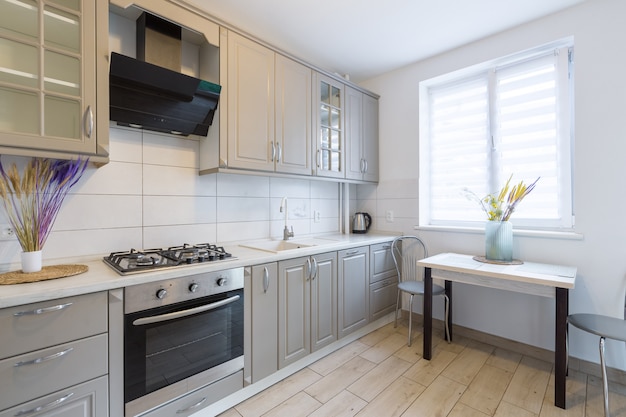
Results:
84 400
307 306
383 284
261 324
49 350
353 284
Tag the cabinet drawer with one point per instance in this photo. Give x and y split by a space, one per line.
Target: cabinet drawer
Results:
381 262
383 296
36 326
34 374
88 399
201 398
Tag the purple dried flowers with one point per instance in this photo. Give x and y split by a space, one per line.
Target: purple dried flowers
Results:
33 201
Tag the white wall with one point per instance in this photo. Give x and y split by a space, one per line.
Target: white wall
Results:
599 171
150 195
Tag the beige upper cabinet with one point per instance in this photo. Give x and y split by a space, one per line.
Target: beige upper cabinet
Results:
293 129
54 78
269 109
361 136
330 141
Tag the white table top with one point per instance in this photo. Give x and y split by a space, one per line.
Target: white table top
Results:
529 272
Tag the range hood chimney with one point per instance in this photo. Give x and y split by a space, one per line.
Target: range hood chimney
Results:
151 93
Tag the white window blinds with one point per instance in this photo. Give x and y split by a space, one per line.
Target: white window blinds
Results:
482 127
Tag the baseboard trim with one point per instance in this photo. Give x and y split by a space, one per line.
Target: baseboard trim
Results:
576 364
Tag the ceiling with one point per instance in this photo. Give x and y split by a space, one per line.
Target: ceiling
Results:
365 38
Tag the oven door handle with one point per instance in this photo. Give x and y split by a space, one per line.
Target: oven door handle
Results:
184 313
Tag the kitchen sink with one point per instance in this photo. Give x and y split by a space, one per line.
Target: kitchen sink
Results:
282 245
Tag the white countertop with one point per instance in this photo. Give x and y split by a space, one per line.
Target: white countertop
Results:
101 277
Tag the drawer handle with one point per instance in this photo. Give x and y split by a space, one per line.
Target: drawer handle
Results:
352 252
45 358
42 310
196 405
43 407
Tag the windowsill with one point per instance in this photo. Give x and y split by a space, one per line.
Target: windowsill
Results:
549 234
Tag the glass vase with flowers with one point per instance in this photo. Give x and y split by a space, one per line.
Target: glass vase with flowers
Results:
499 208
33 200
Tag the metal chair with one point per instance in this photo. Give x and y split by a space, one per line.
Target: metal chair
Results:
607 328
406 251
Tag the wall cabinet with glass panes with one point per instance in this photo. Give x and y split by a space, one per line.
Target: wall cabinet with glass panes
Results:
329 152
53 60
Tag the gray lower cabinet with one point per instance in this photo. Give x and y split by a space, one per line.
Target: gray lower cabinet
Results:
383 285
261 322
307 305
54 357
83 400
353 289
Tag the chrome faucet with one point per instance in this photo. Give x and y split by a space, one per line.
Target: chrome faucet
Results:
283 209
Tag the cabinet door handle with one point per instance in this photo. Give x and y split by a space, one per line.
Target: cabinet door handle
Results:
362 165
42 310
280 152
319 161
308 267
266 279
45 406
88 122
366 166
44 359
314 274
196 405
273 151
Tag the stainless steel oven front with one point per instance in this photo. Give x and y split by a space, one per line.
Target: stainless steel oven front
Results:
181 335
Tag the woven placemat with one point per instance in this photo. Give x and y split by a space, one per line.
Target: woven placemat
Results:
491 261
47 272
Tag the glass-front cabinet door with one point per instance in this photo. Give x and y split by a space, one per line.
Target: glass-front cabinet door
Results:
330 127
48 74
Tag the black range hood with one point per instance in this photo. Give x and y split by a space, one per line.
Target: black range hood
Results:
152 97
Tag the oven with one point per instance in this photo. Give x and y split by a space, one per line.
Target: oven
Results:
181 335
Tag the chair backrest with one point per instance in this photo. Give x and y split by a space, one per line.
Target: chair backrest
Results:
406 251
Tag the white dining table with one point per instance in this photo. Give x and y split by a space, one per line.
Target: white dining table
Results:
544 280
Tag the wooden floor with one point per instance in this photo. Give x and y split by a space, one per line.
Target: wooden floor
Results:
380 376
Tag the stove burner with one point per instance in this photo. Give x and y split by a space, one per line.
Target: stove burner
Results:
134 261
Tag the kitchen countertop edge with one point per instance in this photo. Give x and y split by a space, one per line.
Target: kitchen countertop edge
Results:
101 277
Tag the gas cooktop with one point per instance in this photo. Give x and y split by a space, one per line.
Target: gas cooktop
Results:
135 261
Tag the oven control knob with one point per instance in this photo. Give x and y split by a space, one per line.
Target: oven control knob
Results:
193 287
221 282
160 294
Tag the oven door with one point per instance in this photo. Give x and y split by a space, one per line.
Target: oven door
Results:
168 344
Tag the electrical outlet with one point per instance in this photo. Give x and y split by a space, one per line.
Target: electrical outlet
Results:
316 216
7 232
389 216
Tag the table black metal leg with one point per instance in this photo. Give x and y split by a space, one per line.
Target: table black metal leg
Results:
428 314
560 346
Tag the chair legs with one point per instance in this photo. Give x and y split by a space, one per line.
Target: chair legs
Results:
605 385
447 314
410 317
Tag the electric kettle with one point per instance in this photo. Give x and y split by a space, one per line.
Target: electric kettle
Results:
361 223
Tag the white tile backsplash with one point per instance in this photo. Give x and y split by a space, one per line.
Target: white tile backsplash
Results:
234 185
178 210
242 209
150 195
168 150
89 211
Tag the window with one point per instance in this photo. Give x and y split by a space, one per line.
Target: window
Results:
481 125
